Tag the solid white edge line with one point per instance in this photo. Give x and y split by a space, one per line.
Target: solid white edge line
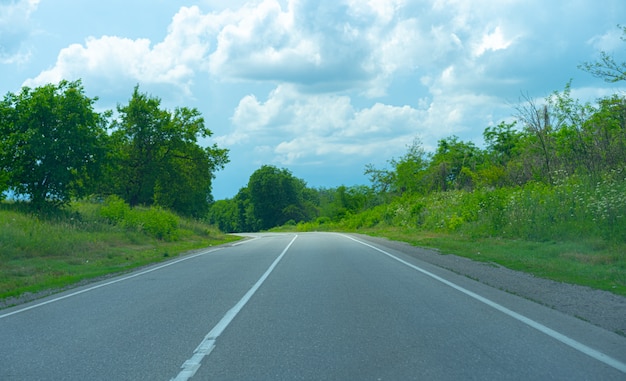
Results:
245 241
614 363
206 346
109 283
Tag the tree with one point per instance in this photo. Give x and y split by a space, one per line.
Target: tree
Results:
382 180
409 169
501 141
157 159
607 132
539 121
453 165
406 173
51 143
276 197
607 68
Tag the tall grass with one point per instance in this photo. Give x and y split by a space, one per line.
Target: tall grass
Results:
61 247
573 209
574 231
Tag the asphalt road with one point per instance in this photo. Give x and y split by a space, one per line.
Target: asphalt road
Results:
313 306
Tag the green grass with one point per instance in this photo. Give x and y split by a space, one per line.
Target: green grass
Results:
573 232
595 264
65 247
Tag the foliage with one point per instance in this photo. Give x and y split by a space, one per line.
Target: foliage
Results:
406 174
115 210
275 197
75 242
274 194
54 148
154 221
51 143
574 209
156 159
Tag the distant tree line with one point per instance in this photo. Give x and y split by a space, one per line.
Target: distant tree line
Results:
548 143
274 197
54 148
556 140
544 144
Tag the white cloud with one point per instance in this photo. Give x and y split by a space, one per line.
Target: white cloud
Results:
492 42
15 29
319 46
292 82
609 41
305 128
110 58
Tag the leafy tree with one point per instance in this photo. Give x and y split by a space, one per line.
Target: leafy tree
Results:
540 122
224 214
382 180
606 130
276 196
409 169
157 160
405 175
51 143
454 164
502 141
503 145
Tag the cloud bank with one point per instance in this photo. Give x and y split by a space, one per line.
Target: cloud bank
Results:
350 81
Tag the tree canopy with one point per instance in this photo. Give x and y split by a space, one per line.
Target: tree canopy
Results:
51 142
157 159
54 148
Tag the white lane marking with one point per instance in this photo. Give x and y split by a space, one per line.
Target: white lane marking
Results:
191 366
109 283
245 241
538 326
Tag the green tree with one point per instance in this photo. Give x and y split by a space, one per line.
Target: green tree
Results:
501 141
156 157
276 197
606 129
405 175
453 165
51 143
410 169
224 214
540 123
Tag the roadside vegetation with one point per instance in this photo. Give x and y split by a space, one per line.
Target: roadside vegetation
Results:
545 194
59 247
89 194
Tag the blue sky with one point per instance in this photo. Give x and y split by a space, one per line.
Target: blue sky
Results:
322 88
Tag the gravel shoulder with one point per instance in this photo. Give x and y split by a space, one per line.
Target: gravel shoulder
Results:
598 307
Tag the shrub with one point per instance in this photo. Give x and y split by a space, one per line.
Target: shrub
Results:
159 223
155 221
115 209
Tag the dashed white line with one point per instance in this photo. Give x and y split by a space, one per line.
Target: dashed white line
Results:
191 366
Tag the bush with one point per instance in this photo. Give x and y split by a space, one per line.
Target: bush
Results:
159 223
573 209
155 221
115 209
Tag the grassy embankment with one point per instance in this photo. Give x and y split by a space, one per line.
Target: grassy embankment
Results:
86 240
573 232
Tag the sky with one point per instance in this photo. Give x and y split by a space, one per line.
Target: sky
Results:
322 88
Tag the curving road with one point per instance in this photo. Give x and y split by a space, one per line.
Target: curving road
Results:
312 306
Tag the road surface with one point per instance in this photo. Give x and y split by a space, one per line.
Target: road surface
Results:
311 306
